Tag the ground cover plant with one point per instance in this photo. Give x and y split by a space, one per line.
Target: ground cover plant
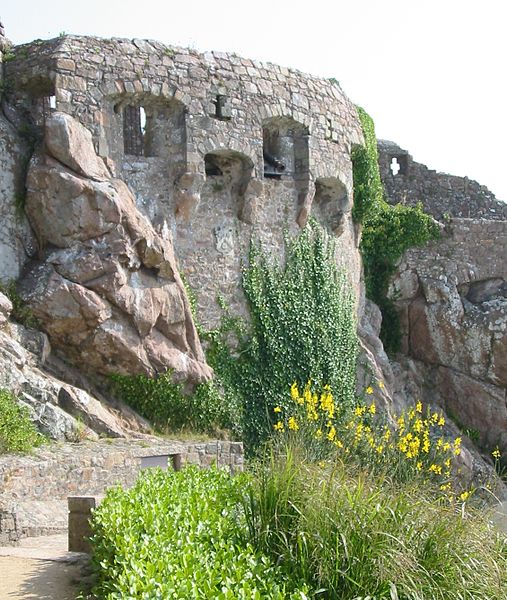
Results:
17 432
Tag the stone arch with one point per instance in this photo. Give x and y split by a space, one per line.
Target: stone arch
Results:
331 203
228 173
285 148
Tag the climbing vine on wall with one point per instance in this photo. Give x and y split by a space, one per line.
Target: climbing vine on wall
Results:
388 231
302 328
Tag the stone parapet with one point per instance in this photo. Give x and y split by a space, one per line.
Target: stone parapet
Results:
52 474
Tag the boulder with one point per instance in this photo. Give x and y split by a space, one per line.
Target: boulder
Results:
107 289
5 309
71 144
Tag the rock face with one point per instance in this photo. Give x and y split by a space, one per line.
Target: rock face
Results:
60 410
106 289
452 298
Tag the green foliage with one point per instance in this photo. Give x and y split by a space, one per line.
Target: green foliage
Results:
387 234
180 536
388 231
20 311
171 408
352 535
368 188
17 432
302 327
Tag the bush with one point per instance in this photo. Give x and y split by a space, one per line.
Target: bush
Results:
17 432
181 536
169 407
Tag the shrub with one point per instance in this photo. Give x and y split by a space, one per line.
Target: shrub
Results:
17 432
169 407
180 536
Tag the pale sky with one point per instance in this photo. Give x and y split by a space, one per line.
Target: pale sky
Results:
432 74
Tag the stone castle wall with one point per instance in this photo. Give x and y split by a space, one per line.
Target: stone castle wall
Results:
441 195
213 127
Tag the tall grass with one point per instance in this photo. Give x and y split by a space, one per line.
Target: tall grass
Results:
353 536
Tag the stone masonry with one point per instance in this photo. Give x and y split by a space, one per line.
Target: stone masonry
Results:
215 147
409 182
34 489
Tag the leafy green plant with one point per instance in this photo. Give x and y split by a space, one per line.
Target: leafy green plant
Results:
17 432
181 535
302 326
20 311
388 231
169 407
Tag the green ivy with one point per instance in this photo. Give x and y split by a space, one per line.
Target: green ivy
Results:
169 406
302 327
388 231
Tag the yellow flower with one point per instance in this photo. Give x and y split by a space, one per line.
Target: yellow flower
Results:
279 426
435 469
318 434
338 444
331 434
359 411
292 424
464 496
496 454
418 406
441 421
419 466
294 392
369 390
457 446
381 385
372 408
277 409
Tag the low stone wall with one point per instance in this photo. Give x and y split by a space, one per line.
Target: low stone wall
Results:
53 473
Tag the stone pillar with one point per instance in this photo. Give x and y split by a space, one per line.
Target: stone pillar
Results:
80 511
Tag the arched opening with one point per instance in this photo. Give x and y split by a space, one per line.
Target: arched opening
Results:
285 148
331 203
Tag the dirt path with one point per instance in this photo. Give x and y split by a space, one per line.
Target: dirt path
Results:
40 569
35 579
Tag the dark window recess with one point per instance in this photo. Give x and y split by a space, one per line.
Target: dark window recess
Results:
223 109
133 134
211 166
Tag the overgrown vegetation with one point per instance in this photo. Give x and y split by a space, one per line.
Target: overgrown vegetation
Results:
20 311
302 327
334 529
17 432
181 536
171 408
388 231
